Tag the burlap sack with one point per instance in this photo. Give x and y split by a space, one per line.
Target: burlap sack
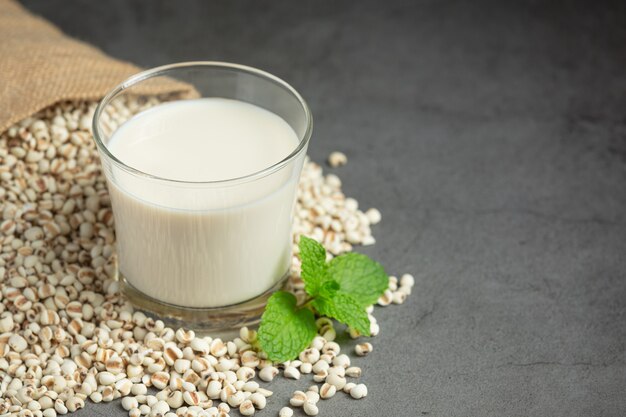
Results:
40 66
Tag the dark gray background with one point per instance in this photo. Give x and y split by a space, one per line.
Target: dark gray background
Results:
492 136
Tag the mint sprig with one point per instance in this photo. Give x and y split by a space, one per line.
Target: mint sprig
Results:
340 289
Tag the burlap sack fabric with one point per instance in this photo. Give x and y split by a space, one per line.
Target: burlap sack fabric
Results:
40 66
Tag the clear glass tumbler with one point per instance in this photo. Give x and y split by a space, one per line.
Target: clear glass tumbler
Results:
204 254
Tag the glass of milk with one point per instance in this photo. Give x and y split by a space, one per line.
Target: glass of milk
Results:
202 161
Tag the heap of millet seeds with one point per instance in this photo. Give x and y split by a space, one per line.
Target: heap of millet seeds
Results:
66 334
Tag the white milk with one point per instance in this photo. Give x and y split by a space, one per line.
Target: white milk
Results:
203 245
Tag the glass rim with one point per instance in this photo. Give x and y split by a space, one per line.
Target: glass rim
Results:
163 70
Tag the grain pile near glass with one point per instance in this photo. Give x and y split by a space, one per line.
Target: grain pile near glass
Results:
67 336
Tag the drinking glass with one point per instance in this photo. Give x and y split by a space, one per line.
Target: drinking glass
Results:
206 254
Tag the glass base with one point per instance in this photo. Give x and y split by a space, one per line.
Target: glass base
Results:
201 320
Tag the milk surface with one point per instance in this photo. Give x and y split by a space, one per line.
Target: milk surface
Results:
203 245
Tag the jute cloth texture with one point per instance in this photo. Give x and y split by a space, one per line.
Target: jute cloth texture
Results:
41 66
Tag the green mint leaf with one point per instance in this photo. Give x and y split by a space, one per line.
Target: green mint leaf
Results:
358 276
328 288
314 266
285 329
345 309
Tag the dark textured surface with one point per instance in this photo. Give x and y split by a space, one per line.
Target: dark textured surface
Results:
492 137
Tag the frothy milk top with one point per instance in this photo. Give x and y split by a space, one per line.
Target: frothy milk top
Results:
206 139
